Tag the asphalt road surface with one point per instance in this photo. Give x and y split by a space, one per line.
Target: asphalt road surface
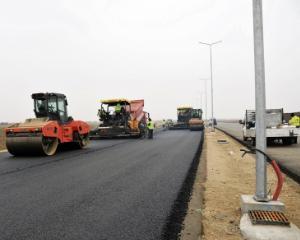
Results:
113 190
287 156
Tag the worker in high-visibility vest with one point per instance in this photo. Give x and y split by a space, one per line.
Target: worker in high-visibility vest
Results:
295 120
164 124
298 123
150 127
118 108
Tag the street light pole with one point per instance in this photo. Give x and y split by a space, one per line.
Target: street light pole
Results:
205 92
211 81
211 90
202 94
201 97
260 102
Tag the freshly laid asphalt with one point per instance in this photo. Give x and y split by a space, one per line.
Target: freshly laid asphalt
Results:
113 190
287 156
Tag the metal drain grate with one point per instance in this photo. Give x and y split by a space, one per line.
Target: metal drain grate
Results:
268 218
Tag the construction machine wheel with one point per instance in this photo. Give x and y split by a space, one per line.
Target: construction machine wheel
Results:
32 145
295 140
287 141
49 145
82 140
142 129
253 142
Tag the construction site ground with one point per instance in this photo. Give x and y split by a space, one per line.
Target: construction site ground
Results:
223 176
2 137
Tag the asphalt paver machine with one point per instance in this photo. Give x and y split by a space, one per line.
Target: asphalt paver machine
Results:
184 115
129 121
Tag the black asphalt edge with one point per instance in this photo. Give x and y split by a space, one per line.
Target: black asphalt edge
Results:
173 225
284 169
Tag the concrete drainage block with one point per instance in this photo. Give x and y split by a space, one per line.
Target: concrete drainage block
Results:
267 232
248 203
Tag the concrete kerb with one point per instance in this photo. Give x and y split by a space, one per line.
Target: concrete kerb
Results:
248 203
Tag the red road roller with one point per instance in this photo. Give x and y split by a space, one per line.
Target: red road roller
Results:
51 127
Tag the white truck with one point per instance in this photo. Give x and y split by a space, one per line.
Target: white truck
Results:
276 129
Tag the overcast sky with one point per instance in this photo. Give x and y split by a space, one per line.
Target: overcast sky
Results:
93 49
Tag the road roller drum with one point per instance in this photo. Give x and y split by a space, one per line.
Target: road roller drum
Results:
38 145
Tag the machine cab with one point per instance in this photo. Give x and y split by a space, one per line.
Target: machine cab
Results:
108 114
184 114
197 113
51 105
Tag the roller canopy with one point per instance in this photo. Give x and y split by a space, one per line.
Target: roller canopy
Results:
115 101
47 95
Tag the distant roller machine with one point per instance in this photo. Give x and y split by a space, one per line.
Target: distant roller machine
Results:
51 127
121 118
188 118
196 123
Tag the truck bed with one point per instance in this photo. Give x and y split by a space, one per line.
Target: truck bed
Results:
284 131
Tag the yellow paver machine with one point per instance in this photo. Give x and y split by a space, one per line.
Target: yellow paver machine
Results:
121 118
